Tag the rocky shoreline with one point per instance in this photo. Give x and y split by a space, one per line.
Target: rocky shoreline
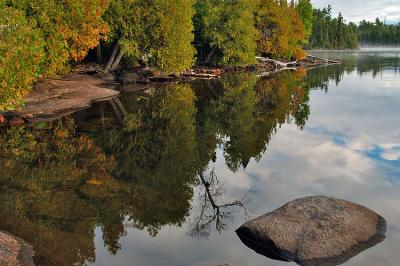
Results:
15 251
80 89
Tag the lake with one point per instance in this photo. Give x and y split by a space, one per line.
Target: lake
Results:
194 161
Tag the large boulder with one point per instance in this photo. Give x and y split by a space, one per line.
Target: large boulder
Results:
14 251
314 231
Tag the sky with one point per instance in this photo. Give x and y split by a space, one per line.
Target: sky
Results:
356 10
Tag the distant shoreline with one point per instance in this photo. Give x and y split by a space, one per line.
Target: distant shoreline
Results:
361 49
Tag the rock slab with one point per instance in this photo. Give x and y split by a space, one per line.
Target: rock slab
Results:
14 251
53 99
314 231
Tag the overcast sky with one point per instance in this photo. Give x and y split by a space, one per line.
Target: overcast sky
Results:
356 10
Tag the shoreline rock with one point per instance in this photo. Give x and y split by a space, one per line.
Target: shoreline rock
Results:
15 251
314 231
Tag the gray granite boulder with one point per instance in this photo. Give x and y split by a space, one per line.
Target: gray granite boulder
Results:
14 251
314 231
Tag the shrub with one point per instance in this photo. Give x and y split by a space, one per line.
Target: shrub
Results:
21 57
70 28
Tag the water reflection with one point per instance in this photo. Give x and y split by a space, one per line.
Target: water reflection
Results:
146 182
59 185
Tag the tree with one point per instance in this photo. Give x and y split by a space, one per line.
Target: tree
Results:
305 10
379 33
332 33
281 30
159 32
70 28
21 55
225 32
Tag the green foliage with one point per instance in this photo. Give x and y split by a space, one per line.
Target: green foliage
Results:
70 28
281 30
379 33
332 33
305 10
225 32
21 56
174 51
159 31
132 23
42 37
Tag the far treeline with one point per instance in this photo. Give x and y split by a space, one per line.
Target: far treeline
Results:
45 37
329 32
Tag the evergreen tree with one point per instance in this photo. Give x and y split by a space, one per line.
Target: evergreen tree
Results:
305 10
225 32
160 32
332 33
379 33
280 28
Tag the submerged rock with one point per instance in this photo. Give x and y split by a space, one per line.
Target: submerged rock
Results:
106 77
129 77
14 251
314 231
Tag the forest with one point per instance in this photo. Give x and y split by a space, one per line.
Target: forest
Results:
45 38
379 33
332 33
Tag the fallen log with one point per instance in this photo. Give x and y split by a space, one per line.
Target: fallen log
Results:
323 59
200 75
278 63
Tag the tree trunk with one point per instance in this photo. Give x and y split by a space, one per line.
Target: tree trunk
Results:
112 58
210 55
117 61
99 55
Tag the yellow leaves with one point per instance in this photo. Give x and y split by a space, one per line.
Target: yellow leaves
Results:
94 182
281 29
62 133
21 53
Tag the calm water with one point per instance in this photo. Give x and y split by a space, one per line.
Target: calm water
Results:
194 161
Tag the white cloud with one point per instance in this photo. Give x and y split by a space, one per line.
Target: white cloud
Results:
356 10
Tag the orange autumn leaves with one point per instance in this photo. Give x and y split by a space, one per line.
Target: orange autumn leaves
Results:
282 33
41 37
85 26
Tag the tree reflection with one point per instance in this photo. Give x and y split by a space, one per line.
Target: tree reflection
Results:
362 63
212 208
249 112
45 175
157 153
59 183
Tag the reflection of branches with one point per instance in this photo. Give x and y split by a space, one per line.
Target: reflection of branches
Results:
210 211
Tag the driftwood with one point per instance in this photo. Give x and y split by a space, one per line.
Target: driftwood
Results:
327 61
277 63
193 74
